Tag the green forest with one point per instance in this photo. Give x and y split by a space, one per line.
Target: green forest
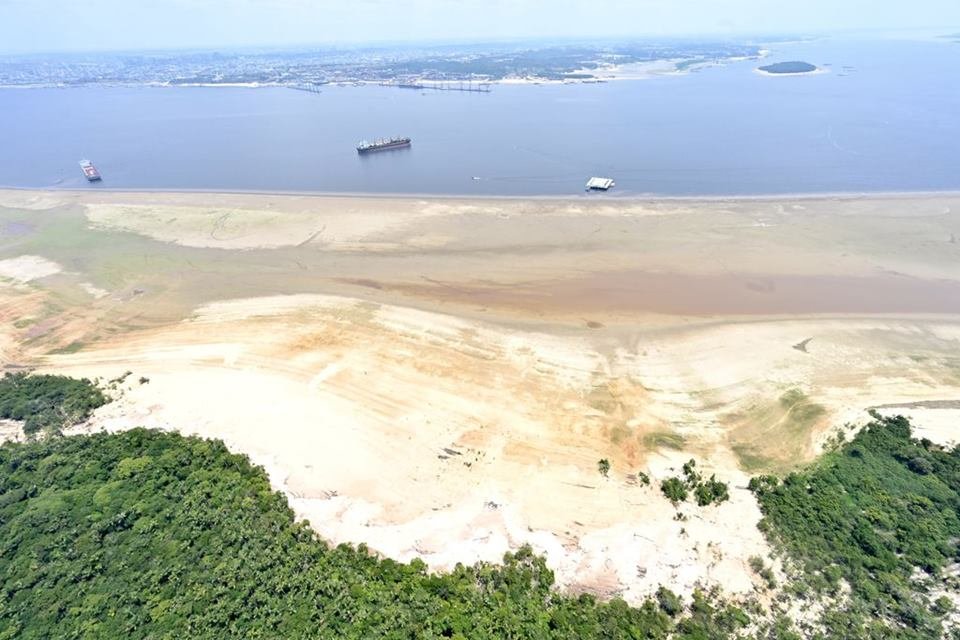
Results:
48 403
147 534
877 517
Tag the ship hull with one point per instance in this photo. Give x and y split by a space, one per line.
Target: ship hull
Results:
90 172
382 147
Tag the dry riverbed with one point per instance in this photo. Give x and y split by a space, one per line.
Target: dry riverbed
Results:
438 378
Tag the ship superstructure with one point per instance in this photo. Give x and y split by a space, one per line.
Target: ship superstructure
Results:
90 172
381 144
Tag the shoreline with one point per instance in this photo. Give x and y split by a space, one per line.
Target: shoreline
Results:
592 197
640 70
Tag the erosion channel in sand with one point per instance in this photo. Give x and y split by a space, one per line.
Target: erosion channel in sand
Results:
438 378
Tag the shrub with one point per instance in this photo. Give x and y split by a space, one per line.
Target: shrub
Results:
921 465
942 606
669 602
674 489
711 491
603 466
761 569
760 484
689 472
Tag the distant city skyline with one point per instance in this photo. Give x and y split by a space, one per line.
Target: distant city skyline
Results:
38 26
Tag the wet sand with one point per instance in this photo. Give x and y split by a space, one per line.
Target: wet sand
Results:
633 292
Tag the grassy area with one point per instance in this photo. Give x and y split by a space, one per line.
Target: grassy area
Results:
751 461
665 440
74 347
776 436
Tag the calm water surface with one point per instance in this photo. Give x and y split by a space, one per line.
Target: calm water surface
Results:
885 118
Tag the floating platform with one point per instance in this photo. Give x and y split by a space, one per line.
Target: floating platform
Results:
599 184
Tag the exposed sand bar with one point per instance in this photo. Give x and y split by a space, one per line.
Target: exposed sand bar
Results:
438 377
728 257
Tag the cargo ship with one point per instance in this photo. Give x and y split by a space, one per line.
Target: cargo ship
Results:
89 171
382 144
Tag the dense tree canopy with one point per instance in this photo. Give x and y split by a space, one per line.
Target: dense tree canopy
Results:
48 403
147 534
879 516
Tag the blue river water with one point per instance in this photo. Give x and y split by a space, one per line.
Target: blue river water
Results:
884 117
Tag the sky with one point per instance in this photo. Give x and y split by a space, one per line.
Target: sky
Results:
34 26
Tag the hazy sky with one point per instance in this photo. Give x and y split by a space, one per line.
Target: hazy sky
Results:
58 25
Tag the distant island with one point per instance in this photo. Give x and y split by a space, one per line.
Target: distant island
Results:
789 68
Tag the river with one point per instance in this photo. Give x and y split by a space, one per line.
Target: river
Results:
884 117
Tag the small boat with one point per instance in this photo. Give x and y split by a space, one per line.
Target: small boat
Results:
89 171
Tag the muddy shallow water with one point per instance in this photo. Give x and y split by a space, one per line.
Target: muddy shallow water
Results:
697 295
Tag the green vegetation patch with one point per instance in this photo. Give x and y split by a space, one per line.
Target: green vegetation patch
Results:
674 489
73 347
802 412
705 491
879 515
48 403
711 491
664 439
144 534
776 436
750 460
603 466
792 66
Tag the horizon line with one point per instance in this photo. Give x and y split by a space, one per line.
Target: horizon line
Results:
759 37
